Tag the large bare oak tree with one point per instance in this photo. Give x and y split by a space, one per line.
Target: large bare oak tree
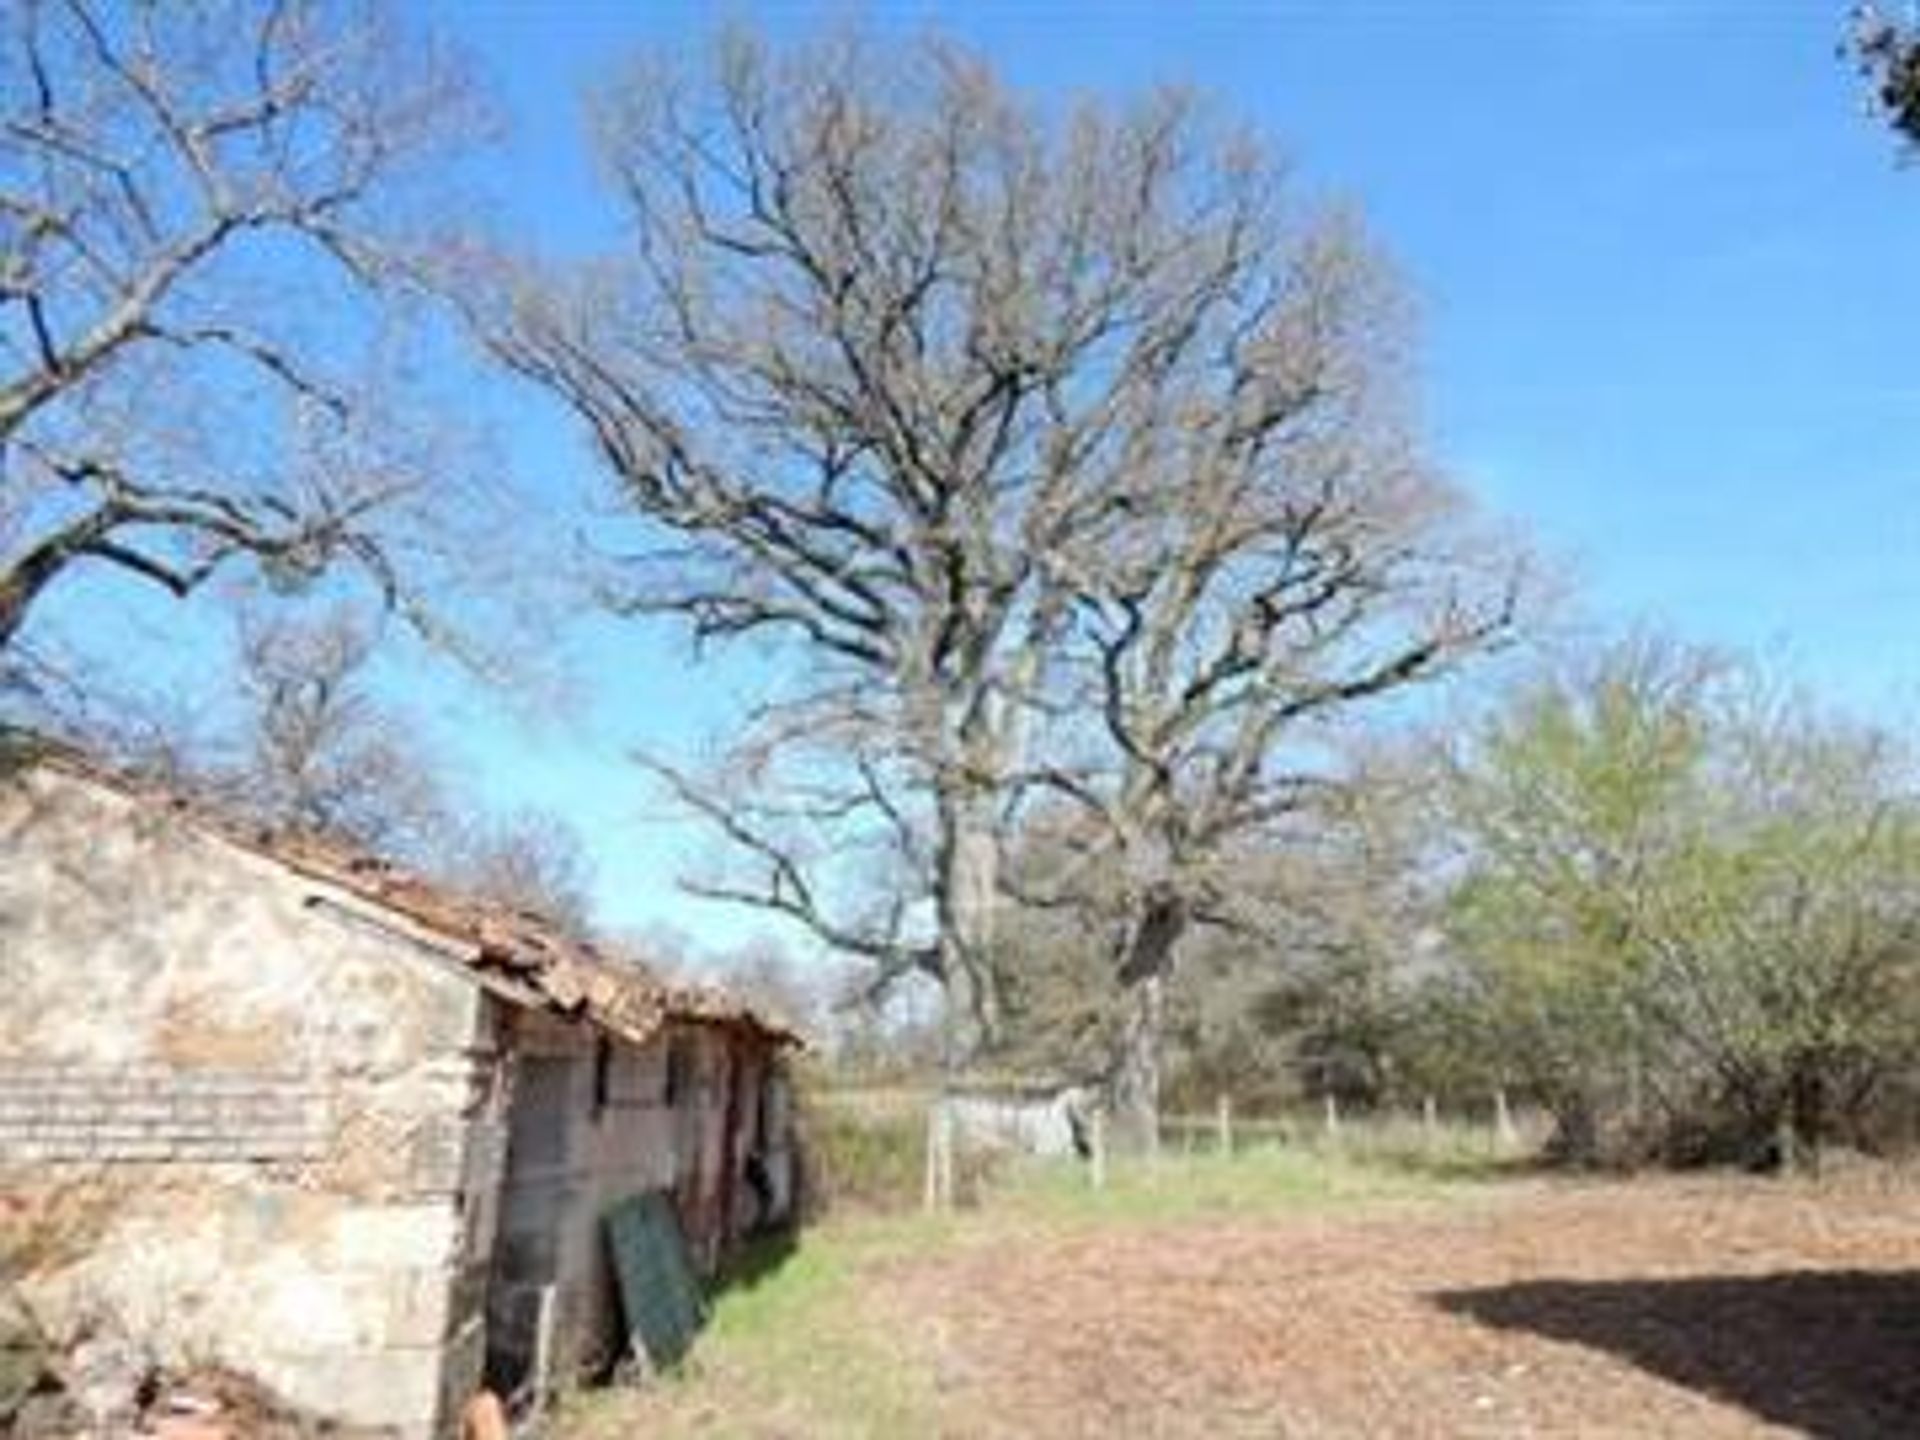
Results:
950 390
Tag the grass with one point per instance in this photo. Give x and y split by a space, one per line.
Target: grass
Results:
794 1349
785 1352
1174 1188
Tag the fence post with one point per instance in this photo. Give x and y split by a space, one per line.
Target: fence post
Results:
946 1158
939 1183
538 1385
1503 1133
1333 1115
1430 1121
1223 1123
1097 1134
930 1188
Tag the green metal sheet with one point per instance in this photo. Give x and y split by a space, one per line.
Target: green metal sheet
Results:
660 1296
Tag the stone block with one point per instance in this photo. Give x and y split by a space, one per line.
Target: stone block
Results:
204 1146
419 1306
399 1388
313 1314
153 1147
449 1021
436 1156
377 1237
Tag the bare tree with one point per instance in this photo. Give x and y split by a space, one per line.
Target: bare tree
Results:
798 992
1296 969
318 750
530 859
191 198
826 823
1298 563
895 363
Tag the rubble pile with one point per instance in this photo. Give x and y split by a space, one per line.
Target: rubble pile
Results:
102 1383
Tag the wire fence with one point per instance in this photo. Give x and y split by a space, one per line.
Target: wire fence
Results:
1075 1126
1496 1127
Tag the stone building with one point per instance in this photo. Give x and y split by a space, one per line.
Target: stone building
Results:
339 1130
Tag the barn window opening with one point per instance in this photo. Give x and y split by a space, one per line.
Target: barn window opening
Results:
679 1069
602 1075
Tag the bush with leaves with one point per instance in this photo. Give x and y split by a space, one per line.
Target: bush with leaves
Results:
1688 912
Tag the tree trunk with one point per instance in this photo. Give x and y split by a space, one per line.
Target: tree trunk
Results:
1135 1086
966 889
1146 959
1576 1131
1806 1121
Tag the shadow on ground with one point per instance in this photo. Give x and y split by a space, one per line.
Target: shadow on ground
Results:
759 1260
1834 1354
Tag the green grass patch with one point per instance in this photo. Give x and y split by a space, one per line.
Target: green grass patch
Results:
792 1350
1264 1180
786 1351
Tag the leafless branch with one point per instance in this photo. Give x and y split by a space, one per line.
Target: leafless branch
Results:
159 167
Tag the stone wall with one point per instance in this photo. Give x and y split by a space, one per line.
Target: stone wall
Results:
299 1114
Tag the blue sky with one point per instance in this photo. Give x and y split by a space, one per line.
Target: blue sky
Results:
1666 273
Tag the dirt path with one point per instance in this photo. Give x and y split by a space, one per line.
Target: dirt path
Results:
1712 1308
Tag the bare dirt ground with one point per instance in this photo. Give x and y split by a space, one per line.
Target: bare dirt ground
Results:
1667 1308
1710 1307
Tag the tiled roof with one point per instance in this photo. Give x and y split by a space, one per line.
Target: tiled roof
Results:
516 953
